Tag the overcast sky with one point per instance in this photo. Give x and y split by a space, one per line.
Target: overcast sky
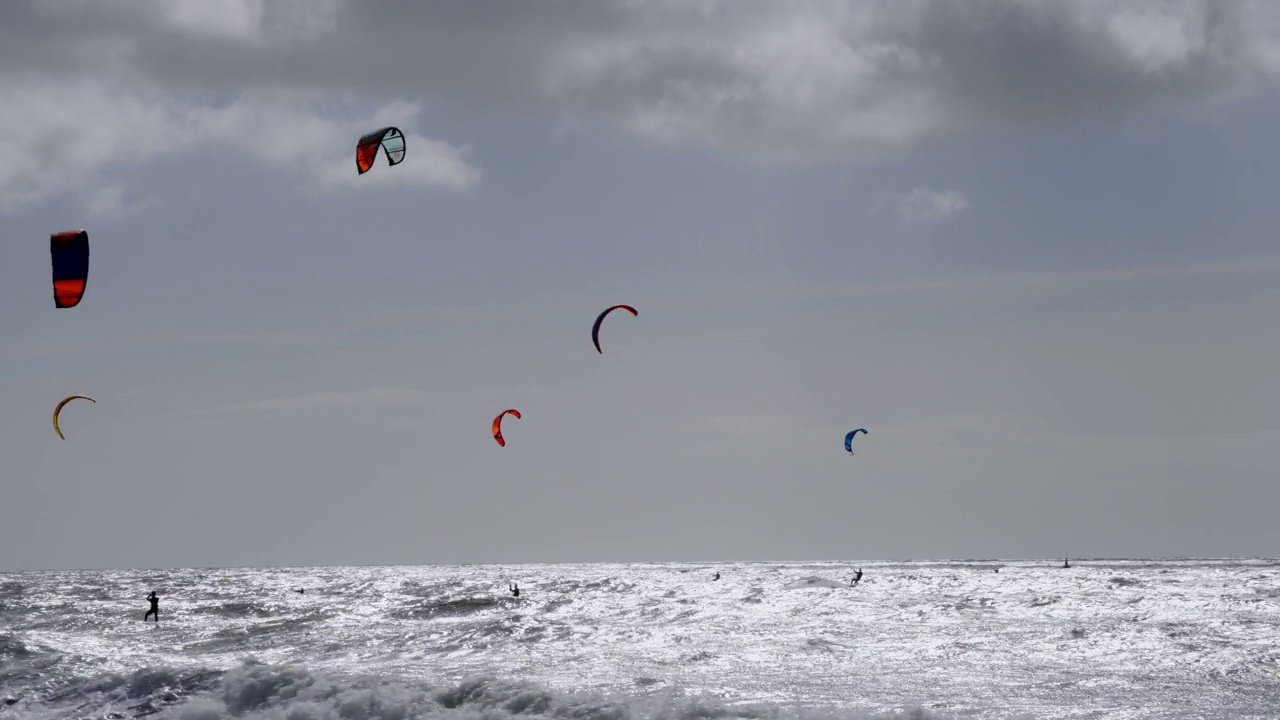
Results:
1031 247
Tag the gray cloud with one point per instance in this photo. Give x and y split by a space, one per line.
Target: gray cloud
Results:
921 205
794 83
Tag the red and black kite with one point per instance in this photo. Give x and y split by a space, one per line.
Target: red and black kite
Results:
70 254
389 139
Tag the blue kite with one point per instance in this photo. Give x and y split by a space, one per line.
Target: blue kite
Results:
848 439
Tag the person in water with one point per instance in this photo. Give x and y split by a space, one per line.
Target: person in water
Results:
155 607
717 577
515 589
856 577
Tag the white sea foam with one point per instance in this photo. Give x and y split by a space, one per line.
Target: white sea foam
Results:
1115 639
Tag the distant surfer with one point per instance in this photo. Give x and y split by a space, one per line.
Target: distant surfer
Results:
300 591
515 589
856 577
1066 563
717 577
155 607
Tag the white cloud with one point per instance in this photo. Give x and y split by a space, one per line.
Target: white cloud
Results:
1157 38
920 205
285 131
235 19
58 137
108 201
246 22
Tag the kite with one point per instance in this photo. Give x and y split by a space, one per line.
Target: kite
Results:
57 410
595 329
848 439
69 252
389 139
497 425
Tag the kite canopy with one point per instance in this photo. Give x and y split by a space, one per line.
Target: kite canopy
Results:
595 329
58 410
848 439
389 138
70 255
497 425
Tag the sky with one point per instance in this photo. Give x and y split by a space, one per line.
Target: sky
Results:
1030 247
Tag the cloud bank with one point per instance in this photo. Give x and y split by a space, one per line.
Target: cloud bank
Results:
93 87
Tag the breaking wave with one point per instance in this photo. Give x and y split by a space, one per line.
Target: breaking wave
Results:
261 691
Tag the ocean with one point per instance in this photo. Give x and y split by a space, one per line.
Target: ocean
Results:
955 639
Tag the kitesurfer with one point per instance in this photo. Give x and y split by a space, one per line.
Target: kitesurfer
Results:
717 577
515 589
155 607
856 577
1066 562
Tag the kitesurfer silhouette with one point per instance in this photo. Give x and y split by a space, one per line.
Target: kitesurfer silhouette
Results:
856 577
155 607
717 577
1066 563
515 589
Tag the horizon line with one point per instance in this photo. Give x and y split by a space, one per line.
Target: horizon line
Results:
1159 558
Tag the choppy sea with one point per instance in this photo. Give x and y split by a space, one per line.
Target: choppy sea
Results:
1103 639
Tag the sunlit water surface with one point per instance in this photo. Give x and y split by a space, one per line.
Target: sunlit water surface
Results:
1103 639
